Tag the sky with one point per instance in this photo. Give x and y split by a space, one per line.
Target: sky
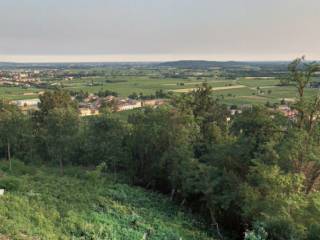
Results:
158 30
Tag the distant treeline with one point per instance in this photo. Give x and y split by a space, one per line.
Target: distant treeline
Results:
234 69
158 94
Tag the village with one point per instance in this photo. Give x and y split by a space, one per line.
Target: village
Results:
24 79
93 104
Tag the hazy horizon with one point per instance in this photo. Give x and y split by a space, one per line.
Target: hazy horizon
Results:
139 58
150 30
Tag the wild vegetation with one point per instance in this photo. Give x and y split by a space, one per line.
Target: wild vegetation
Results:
255 175
42 204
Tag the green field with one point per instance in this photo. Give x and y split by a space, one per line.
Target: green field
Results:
148 84
144 84
16 93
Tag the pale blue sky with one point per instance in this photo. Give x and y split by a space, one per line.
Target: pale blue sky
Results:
212 29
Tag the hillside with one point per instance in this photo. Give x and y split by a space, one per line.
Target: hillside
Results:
40 204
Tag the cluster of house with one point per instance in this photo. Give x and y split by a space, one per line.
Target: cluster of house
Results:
27 104
284 109
288 111
25 79
92 104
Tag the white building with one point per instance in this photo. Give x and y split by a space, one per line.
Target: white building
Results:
129 106
88 112
26 102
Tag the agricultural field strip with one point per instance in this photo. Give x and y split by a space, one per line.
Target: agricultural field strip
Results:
194 83
213 89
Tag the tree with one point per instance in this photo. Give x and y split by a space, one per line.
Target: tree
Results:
56 99
104 142
300 153
301 73
299 149
11 126
160 142
255 129
60 132
276 199
210 115
134 95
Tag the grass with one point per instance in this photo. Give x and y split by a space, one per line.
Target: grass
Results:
144 84
16 93
123 115
41 204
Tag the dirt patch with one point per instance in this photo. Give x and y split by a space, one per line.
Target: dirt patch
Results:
258 78
253 97
193 83
288 99
263 87
4 237
184 90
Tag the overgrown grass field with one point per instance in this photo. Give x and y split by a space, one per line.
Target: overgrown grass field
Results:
41 204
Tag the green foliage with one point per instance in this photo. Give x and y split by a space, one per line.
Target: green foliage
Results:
160 142
95 176
12 129
103 141
10 183
56 99
60 132
314 232
47 206
258 233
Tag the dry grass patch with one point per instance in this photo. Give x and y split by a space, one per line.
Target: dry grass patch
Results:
185 90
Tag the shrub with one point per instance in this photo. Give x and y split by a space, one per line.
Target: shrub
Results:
258 233
10 183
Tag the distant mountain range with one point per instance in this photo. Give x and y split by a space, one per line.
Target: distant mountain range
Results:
175 64
227 64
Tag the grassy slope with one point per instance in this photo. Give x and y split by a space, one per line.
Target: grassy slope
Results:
39 204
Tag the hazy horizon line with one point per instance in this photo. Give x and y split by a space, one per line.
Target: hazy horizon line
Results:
81 58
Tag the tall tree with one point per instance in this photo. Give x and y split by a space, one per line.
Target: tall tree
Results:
11 125
60 131
161 140
301 73
54 99
105 142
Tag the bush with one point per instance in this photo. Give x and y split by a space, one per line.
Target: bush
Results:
18 168
283 229
95 175
258 233
10 183
314 232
